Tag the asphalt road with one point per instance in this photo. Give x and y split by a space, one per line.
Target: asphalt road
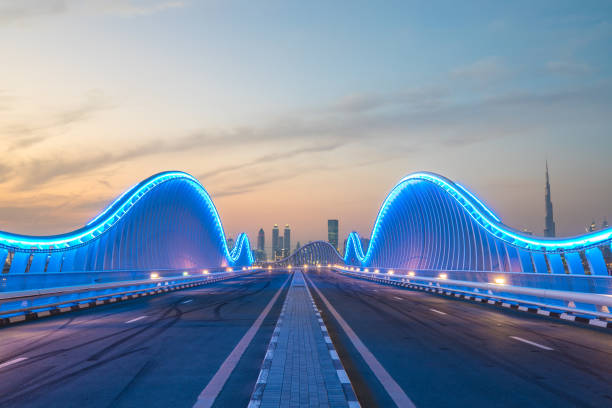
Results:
156 351
451 353
162 351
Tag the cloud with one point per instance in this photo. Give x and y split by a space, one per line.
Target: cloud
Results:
483 70
39 171
5 172
249 184
269 158
569 68
394 123
14 11
24 134
133 8
415 100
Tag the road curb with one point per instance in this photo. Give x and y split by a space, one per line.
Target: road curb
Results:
27 317
483 299
347 387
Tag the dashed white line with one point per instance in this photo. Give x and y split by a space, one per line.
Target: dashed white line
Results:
394 390
184 302
209 394
438 311
398 298
14 361
136 319
532 343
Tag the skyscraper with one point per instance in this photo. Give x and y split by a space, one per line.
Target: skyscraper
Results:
280 249
287 240
274 240
549 229
332 232
261 241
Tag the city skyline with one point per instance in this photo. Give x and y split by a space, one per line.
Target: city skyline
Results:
79 133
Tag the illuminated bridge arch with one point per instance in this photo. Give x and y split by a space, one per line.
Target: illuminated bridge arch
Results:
167 221
314 253
428 222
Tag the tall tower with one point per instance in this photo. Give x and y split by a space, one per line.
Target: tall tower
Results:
287 240
332 232
549 223
279 251
261 241
274 240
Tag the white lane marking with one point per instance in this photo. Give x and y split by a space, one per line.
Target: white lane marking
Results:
184 302
438 311
136 319
532 343
209 394
14 361
398 298
396 392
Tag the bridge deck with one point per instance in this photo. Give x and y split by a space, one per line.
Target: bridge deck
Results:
298 369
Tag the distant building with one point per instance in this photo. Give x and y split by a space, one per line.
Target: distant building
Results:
332 232
592 227
604 223
297 246
261 240
526 231
549 222
230 243
287 240
260 256
260 252
280 251
275 245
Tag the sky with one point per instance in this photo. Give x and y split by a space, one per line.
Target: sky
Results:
296 112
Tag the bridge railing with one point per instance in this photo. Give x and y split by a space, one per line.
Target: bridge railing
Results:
576 294
17 304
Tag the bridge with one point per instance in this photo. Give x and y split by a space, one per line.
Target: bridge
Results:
146 305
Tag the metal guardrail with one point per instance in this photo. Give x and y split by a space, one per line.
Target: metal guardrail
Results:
574 301
30 301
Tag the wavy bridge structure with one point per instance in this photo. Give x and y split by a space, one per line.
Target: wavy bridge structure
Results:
314 253
428 222
167 221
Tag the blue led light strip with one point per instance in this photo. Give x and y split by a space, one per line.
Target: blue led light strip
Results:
482 215
116 211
